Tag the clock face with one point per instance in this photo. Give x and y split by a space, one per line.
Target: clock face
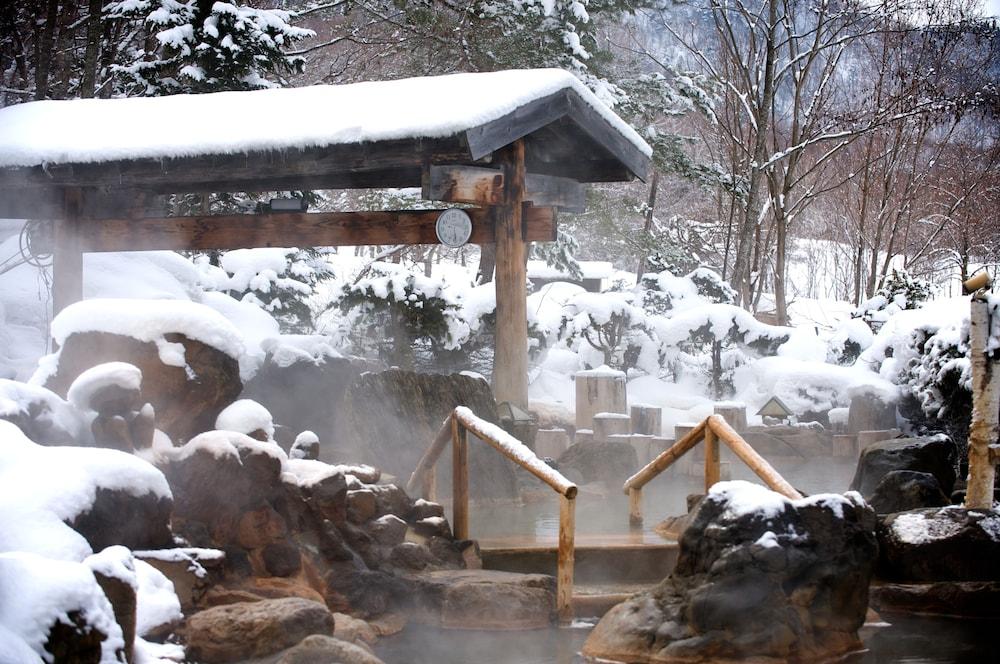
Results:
453 227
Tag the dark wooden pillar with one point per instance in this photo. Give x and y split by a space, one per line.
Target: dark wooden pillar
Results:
510 360
67 257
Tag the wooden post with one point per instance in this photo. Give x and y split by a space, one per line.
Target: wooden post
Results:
734 413
564 566
551 443
635 508
429 485
647 420
607 425
67 257
712 469
510 359
598 391
459 480
984 429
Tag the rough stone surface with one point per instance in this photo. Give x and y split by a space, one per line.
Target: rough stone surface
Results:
973 599
929 454
902 490
117 517
121 594
318 649
869 413
799 594
243 630
411 408
484 599
186 404
940 544
74 642
597 461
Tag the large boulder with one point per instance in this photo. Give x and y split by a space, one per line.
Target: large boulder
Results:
940 544
936 455
483 599
390 418
236 632
187 398
902 490
43 416
120 517
599 461
757 576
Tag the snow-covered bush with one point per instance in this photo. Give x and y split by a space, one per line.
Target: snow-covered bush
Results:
400 315
899 292
206 47
663 292
848 341
280 281
715 339
612 325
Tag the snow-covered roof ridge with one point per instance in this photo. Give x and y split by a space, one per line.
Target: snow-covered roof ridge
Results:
47 132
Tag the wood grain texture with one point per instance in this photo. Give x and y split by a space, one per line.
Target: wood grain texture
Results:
67 254
566 559
294 229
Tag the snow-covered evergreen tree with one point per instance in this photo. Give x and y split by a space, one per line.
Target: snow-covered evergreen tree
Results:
899 292
206 46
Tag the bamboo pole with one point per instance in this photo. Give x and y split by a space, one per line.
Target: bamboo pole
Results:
491 435
665 458
460 480
749 456
713 472
429 459
984 429
635 508
567 548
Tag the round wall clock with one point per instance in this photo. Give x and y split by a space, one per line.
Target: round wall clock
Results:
454 227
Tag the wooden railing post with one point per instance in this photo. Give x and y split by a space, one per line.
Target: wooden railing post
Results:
460 479
564 569
712 470
428 490
983 430
635 507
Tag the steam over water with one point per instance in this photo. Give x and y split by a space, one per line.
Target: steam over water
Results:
911 641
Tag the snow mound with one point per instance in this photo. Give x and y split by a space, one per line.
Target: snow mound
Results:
246 416
42 488
38 592
94 379
149 321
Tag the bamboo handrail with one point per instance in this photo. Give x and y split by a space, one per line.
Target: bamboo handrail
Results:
712 430
455 428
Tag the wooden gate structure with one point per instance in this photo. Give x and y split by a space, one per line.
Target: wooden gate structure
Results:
517 146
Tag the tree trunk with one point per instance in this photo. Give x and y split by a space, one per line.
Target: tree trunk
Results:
90 59
48 13
487 263
647 227
984 430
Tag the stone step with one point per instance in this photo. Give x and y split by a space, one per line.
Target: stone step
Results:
628 559
482 599
594 600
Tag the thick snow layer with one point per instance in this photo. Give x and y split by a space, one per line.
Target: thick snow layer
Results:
808 386
48 132
743 498
114 562
94 379
157 602
225 443
41 488
149 321
246 416
39 591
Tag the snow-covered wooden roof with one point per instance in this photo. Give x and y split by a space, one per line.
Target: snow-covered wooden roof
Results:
378 131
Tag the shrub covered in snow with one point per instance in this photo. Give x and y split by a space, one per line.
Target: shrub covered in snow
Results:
612 325
394 313
899 292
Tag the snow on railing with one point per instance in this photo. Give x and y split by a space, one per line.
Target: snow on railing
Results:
455 428
711 430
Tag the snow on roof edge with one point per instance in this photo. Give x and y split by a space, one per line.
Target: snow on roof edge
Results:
47 132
